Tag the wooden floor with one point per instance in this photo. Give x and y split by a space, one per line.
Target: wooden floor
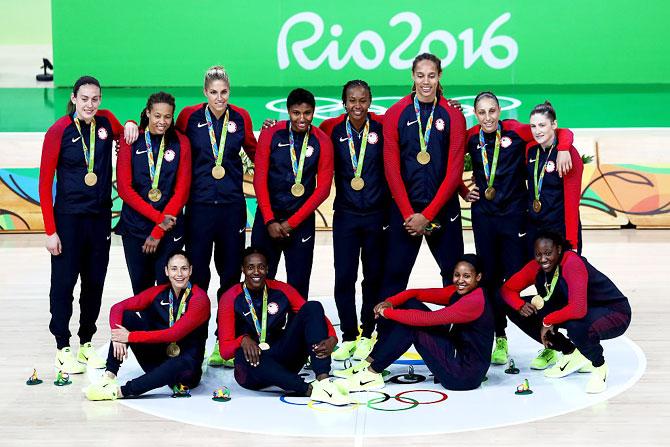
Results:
638 261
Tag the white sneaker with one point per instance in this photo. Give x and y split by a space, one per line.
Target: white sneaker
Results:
66 362
330 392
598 381
567 365
89 356
364 380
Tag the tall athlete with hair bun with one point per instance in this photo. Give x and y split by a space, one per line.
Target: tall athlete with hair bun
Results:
424 140
78 150
361 201
293 175
553 200
499 202
153 177
221 135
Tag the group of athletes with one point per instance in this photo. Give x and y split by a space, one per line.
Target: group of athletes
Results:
397 181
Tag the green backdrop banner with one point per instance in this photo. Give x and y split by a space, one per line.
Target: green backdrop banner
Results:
287 43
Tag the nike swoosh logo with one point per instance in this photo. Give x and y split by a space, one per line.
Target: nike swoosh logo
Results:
562 368
85 358
455 217
365 383
283 145
74 140
139 152
202 124
532 160
385 227
329 394
163 303
342 140
242 229
246 313
522 234
177 239
109 237
61 362
305 239
409 123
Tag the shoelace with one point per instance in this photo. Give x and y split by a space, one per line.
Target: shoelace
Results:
500 343
546 354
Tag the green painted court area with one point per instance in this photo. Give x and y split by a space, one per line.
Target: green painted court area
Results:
604 106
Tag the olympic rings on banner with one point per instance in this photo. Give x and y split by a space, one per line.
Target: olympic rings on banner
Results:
283 399
443 396
376 401
384 395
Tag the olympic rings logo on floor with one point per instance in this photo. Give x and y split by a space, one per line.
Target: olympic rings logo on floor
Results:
384 402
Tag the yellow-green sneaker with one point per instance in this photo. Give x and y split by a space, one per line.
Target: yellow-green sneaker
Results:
499 356
329 392
545 359
229 363
215 357
364 347
344 351
66 362
568 364
104 390
88 355
364 380
346 373
598 381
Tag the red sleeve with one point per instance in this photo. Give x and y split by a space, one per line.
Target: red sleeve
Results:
512 288
392 158
117 128
572 192
324 180
297 301
565 136
228 344
135 303
261 169
378 118
576 277
463 190
184 115
182 186
249 144
124 185
328 125
465 310
436 296
454 165
48 165
197 313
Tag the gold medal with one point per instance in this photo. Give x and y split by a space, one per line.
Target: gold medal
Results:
264 346
423 157
155 194
298 189
218 172
490 193
538 302
357 183
537 205
173 350
90 179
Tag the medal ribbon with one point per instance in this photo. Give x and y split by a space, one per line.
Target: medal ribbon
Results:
490 172
182 304
538 184
154 169
423 140
295 164
261 328
550 288
218 154
357 162
90 160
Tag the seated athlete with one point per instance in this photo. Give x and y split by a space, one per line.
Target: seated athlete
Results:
166 327
572 295
455 341
271 330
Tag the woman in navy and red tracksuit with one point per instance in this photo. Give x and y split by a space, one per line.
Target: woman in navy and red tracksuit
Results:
423 179
499 199
285 220
271 330
572 295
78 149
151 224
554 202
166 328
361 204
454 341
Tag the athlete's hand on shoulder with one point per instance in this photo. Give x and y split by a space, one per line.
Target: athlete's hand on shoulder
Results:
252 353
415 224
131 132
381 307
324 348
268 123
473 195
455 104
545 334
150 245
563 162
120 350
527 310
168 222
53 244
120 334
